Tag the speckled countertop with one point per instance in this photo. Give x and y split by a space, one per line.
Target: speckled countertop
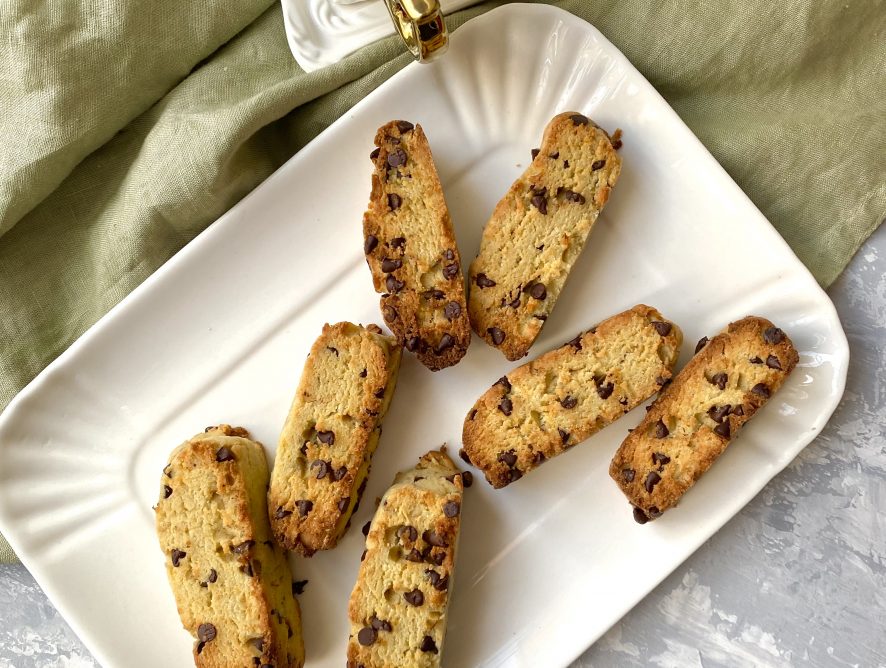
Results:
796 578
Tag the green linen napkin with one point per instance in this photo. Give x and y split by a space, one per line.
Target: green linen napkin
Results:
127 129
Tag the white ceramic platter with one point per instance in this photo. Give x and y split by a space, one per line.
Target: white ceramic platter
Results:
322 32
221 332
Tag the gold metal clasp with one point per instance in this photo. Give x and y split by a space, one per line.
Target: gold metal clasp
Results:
421 26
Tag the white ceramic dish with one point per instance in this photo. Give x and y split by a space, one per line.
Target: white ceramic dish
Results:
220 333
322 32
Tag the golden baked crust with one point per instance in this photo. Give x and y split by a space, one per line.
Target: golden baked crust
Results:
332 429
537 232
398 608
410 248
561 398
730 378
232 583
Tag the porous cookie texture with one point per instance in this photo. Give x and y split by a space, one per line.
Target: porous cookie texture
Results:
398 608
554 402
332 429
232 583
730 378
537 232
410 247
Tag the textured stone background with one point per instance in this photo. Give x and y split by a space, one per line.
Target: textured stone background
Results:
796 578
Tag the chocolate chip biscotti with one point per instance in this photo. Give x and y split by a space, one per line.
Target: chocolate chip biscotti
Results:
559 399
398 608
537 232
232 583
695 418
331 431
410 248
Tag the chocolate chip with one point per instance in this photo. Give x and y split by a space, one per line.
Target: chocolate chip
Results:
515 302
392 285
374 154
761 389
370 244
534 152
442 584
304 506
483 281
433 538
538 291
720 380
450 509
554 155
718 413
597 164
206 632
177 555
538 458
578 119
367 636
603 389
498 336
464 456
773 363
540 317
322 468
298 587
739 410
773 335
449 254
211 578
389 312
513 475
505 406
414 555
414 597
450 271
413 343
504 382
661 430
575 343
343 504
388 265
433 294
640 516
304 449
508 458
404 126
564 435
722 429
245 546
326 437
702 342
247 569
398 242
653 512
394 201
452 310
571 195
755 360
408 533
432 575
380 624
628 475
569 401
224 454
428 645
397 158
467 478
363 555
331 349
281 512
660 459
663 328
541 203
167 491
652 479
565 164
339 473
446 342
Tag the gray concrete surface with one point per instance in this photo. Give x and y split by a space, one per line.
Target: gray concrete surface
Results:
797 578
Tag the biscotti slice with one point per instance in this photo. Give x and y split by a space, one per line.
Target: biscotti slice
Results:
398 606
561 398
694 419
410 248
232 583
537 232
333 428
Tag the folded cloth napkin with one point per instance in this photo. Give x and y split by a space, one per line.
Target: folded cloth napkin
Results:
127 129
